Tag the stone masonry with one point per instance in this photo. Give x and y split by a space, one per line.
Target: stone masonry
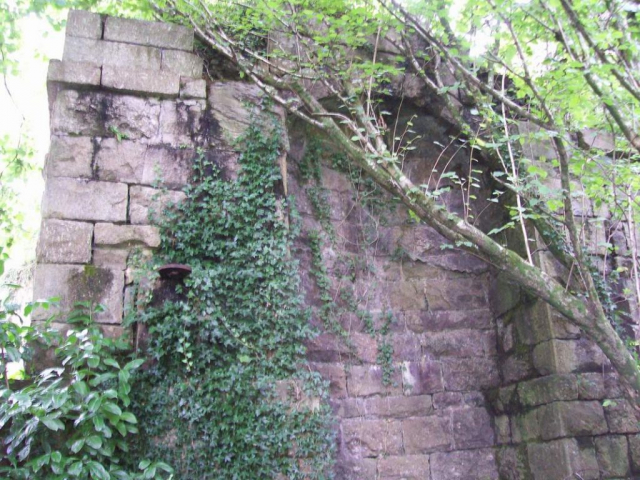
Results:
484 383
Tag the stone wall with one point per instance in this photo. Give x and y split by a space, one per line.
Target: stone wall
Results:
127 108
478 382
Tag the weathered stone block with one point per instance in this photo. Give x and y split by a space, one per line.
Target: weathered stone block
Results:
562 459
335 375
154 34
363 381
227 103
98 114
406 347
460 343
464 465
591 386
366 347
123 161
472 428
455 294
349 468
461 374
110 235
419 378
427 434
429 321
407 295
62 241
140 81
503 429
407 467
513 463
73 283
634 451
134 162
398 407
613 455
351 408
327 347
442 400
111 257
525 427
69 157
193 87
517 367
71 199
182 63
147 204
83 24
75 73
567 356
571 419
370 438
182 123
503 294
111 53
621 417
458 262
548 389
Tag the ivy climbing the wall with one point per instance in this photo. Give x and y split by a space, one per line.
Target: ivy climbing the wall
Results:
370 198
227 394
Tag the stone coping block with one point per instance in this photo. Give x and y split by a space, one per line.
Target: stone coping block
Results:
193 87
154 34
79 283
110 53
76 73
62 241
75 199
146 202
140 80
84 24
134 162
69 157
108 234
182 63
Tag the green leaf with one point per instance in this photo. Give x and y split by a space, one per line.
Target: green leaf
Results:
75 469
129 417
98 471
112 408
77 445
94 441
53 423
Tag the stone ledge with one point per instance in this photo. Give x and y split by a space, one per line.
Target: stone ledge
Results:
140 80
75 73
74 199
84 24
100 52
62 241
153 34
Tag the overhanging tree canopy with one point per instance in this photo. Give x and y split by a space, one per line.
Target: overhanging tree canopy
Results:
567 67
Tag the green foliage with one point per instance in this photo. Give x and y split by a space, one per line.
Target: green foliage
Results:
209 404
73 420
